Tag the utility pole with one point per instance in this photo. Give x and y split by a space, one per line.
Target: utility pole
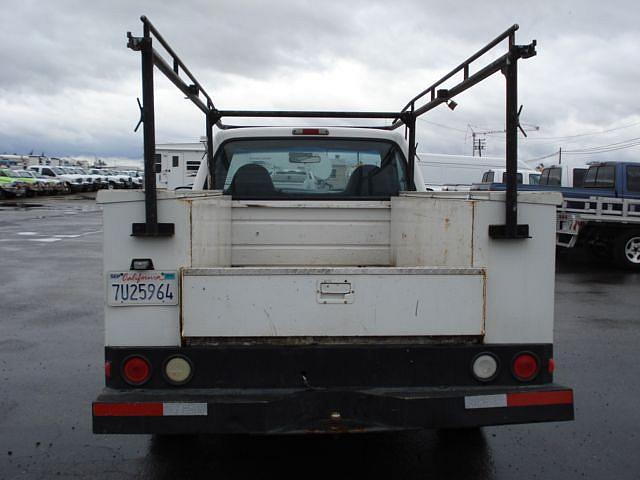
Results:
479 144
560 156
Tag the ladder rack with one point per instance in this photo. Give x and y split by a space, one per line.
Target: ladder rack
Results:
434 95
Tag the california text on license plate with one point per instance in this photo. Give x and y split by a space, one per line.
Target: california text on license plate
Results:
149 287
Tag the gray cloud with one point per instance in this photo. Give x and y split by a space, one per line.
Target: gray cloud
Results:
69 84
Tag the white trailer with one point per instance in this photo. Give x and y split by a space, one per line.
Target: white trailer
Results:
177 164
309 283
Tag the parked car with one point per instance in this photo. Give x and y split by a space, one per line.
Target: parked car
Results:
73 182
87 182
56 186
99 181
38 186
118 179
126 177
31 189
105 179
10 185
136 178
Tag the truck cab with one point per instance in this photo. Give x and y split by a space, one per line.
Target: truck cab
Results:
563 176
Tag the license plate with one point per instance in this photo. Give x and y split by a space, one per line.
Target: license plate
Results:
149 287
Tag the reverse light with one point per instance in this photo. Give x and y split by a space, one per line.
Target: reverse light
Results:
178 370
136 370
525 366
310 131
485 367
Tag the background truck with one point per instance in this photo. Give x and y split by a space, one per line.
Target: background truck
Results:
525 176
563 175
604 214
72 182
457 172
308 283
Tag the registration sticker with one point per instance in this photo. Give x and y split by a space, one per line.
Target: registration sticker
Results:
149 287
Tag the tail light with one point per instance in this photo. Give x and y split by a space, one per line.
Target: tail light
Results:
310 131
525 366
136 370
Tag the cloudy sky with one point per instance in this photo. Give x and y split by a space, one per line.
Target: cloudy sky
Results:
68 83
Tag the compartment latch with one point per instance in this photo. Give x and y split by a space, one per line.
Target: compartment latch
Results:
335 291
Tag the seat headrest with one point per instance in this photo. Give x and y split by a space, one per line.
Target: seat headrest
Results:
251 181
372 180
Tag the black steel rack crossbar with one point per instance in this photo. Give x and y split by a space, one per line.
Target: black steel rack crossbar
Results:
426 100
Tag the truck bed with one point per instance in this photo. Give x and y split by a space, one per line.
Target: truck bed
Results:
435 269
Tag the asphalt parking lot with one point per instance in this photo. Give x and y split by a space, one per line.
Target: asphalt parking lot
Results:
51 368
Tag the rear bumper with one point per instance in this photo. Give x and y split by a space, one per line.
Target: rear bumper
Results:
290 411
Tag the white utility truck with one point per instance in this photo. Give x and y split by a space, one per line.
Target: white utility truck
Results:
443 172
309 283
525 176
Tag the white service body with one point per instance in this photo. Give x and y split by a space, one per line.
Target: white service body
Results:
420 264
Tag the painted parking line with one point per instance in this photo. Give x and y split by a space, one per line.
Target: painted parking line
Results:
45 240
58 237
48 237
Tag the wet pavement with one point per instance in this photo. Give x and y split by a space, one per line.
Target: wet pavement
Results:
51 339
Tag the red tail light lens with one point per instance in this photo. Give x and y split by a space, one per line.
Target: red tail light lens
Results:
136 370
525 367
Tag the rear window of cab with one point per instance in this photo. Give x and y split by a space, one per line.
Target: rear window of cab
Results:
310 168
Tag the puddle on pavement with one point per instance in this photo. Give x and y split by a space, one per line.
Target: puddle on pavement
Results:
20 205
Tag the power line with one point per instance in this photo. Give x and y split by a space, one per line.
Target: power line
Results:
611 147
541 158
442 125
623 144
567 137
607 150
